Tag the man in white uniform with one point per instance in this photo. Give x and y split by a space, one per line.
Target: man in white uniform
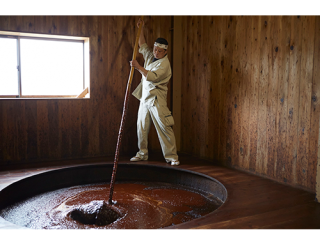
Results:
152 93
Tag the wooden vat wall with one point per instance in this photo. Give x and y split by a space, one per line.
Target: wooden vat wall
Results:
52 129
251 93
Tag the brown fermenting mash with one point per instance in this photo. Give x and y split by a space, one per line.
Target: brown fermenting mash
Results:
138 205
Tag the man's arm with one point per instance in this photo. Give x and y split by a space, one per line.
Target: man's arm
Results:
142 40
137 66
156 75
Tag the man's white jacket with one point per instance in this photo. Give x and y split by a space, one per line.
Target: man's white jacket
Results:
154 85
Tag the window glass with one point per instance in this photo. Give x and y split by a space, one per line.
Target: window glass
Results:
51 67
8 67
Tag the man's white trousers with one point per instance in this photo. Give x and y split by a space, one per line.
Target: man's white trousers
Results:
163 121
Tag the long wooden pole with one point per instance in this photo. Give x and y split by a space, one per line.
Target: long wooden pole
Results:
124 113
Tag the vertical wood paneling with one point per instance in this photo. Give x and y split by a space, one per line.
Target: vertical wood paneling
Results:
93 115
199 114
111 96
4 20
224 64
229 41
254 94
2 126
235 89
308 27
31 128
249 93
185 69
263 95
187 98
28 23
268 112
272 103
42 129
9 139
54 131
245 116
64 115
315 111
103 121
285 30
4 133
293 99
75 121
207 147
195 87
216 85
34 130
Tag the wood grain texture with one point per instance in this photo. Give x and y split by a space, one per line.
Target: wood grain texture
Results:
267 83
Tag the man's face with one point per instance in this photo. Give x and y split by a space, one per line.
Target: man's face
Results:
159 52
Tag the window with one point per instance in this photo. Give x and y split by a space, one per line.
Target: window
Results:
8 67
36 66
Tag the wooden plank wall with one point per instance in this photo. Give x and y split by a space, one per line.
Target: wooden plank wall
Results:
52 129
250 94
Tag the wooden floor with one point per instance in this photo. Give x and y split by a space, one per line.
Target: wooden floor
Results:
253 202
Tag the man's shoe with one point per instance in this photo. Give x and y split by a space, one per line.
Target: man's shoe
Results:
136 159
175 162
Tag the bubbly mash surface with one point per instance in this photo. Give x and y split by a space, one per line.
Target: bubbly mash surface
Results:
141 205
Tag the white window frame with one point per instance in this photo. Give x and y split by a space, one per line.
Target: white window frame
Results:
86 65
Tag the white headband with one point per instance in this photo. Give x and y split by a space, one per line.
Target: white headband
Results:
161 45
